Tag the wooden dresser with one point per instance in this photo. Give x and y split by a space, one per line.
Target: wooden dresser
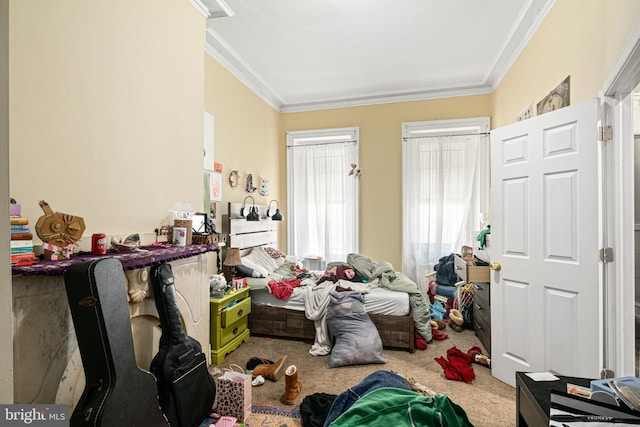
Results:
478 275
229 321
482 313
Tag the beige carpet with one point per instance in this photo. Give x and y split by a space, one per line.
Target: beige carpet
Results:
487 401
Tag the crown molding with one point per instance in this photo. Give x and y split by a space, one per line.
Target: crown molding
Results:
200 7
524 27
388 99
219 50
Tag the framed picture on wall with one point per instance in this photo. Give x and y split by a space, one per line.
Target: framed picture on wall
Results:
557 98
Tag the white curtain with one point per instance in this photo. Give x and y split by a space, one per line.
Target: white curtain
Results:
445 197
323 198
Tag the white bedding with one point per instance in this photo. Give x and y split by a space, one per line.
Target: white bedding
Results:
377 301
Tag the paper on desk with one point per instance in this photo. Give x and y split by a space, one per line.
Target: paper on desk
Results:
542 376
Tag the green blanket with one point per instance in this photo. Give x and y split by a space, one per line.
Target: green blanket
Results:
396 281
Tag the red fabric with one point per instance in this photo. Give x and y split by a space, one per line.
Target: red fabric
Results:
473 351
421 343
283 290
458 366
438 335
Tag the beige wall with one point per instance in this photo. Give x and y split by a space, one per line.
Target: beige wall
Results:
246 139
6 302
578 38
381 160
106 109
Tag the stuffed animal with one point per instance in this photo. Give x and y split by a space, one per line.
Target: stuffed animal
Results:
217 285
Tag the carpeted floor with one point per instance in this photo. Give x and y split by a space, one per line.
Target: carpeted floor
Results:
487 401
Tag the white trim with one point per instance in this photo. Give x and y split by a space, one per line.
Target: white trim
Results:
621 275
625 75
200 7
425 95
322 136
469 125
527 23
531 15
236 65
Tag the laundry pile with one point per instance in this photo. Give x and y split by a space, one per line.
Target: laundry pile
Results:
457 365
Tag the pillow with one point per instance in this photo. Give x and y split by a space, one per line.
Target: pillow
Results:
260 257
257 268
357 341
244 271
274 253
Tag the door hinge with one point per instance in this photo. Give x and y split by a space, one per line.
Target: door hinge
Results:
606 255
605 133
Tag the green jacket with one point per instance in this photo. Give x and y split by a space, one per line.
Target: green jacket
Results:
397 407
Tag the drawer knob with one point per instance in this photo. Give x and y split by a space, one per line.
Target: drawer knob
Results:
240 313
478 288
235 330
495 266
478 307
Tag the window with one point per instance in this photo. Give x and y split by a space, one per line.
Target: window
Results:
322 194
445 189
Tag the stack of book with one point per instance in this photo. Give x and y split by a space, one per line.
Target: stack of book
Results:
21 240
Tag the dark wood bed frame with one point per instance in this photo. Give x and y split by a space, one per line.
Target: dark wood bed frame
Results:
395 331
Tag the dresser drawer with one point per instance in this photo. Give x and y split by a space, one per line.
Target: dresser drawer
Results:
228 333
482 293
236 312
471 273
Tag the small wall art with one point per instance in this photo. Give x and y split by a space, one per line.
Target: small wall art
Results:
556 99
215 186
264 187
250 187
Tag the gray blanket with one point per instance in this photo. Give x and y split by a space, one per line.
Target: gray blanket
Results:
396 281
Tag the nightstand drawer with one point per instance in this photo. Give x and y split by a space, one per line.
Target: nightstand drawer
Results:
236 312
227 334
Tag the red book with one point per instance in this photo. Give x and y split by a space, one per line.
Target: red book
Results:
21 236
22 256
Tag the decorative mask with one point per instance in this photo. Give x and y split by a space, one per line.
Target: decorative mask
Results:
58 232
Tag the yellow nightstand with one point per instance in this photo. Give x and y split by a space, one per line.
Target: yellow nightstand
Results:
229 323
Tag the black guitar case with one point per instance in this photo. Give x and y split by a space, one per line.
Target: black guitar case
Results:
117 392
185 388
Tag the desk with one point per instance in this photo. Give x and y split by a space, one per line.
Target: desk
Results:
533 398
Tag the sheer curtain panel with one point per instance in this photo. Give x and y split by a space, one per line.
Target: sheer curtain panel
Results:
445 192
322 194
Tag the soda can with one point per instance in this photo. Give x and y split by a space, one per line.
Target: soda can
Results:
99 244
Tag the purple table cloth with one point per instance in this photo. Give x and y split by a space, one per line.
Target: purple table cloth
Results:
144 257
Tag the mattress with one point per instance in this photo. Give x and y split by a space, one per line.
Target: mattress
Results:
377 301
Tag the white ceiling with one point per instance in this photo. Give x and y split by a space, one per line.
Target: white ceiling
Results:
312 54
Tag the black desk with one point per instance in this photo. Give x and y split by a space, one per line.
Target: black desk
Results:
533 397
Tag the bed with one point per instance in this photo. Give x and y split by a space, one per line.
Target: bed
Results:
390 311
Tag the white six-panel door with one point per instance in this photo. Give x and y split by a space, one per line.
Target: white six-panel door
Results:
544 226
